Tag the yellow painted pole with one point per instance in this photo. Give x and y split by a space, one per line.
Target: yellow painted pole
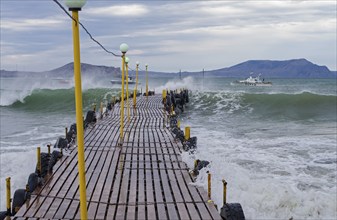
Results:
79 114
209 177
224 191
187 133
134 98
137 66
94 107
8 196
178 124
48 145
164 97
122 99
195 164
38 155
101 109
127 91
147 83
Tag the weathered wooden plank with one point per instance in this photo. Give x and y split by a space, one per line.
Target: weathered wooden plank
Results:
53 208
144 178
62 209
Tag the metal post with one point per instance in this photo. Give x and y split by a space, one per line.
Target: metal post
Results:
122 99
66 132
101 109
127 91
94 107
8 196
224 191
147 83
209 185
48 145
79 114
134 98
196 164
137 77
178 124
38 154
187 133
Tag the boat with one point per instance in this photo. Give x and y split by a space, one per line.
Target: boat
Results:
253 81
119 81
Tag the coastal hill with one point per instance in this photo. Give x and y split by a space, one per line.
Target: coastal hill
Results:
296 68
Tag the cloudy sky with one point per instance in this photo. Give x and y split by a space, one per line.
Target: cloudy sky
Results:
169 35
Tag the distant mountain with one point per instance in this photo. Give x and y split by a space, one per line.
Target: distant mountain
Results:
296 68
67 71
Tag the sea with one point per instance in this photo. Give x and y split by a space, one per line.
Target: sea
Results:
275 146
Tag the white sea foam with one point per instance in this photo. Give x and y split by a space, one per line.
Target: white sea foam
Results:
272 177
174 84
17 165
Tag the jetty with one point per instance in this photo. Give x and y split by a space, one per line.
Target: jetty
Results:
141 176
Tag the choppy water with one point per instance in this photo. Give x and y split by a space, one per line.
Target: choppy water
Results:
275 146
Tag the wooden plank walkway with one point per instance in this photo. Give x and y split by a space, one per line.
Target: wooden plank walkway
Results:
144 178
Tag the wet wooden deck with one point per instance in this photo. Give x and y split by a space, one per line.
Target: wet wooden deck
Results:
144 178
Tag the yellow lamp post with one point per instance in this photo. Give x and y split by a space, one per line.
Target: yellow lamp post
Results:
136 87
147 82
75 6
137 66
123 48
127 87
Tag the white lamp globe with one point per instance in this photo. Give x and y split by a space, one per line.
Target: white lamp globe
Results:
126 60
137 63
124 47
75 4
146 65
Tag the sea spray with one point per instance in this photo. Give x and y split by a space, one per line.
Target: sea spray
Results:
276 147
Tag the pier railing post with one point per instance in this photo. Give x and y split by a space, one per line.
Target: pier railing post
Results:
147 82
38 157
164 97
8 196
127 87
187 133
123 48
209 178
48 145
134 98
75 7
224 191
101 110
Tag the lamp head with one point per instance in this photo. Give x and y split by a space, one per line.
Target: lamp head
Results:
126 60
75 5
124 48
137 63
146 65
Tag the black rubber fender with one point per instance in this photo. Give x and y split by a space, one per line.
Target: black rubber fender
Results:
71 136
200 164
19 198
73 128
61 143
109 106
91 117
33 182
45 157
3 215
55 156
232 211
